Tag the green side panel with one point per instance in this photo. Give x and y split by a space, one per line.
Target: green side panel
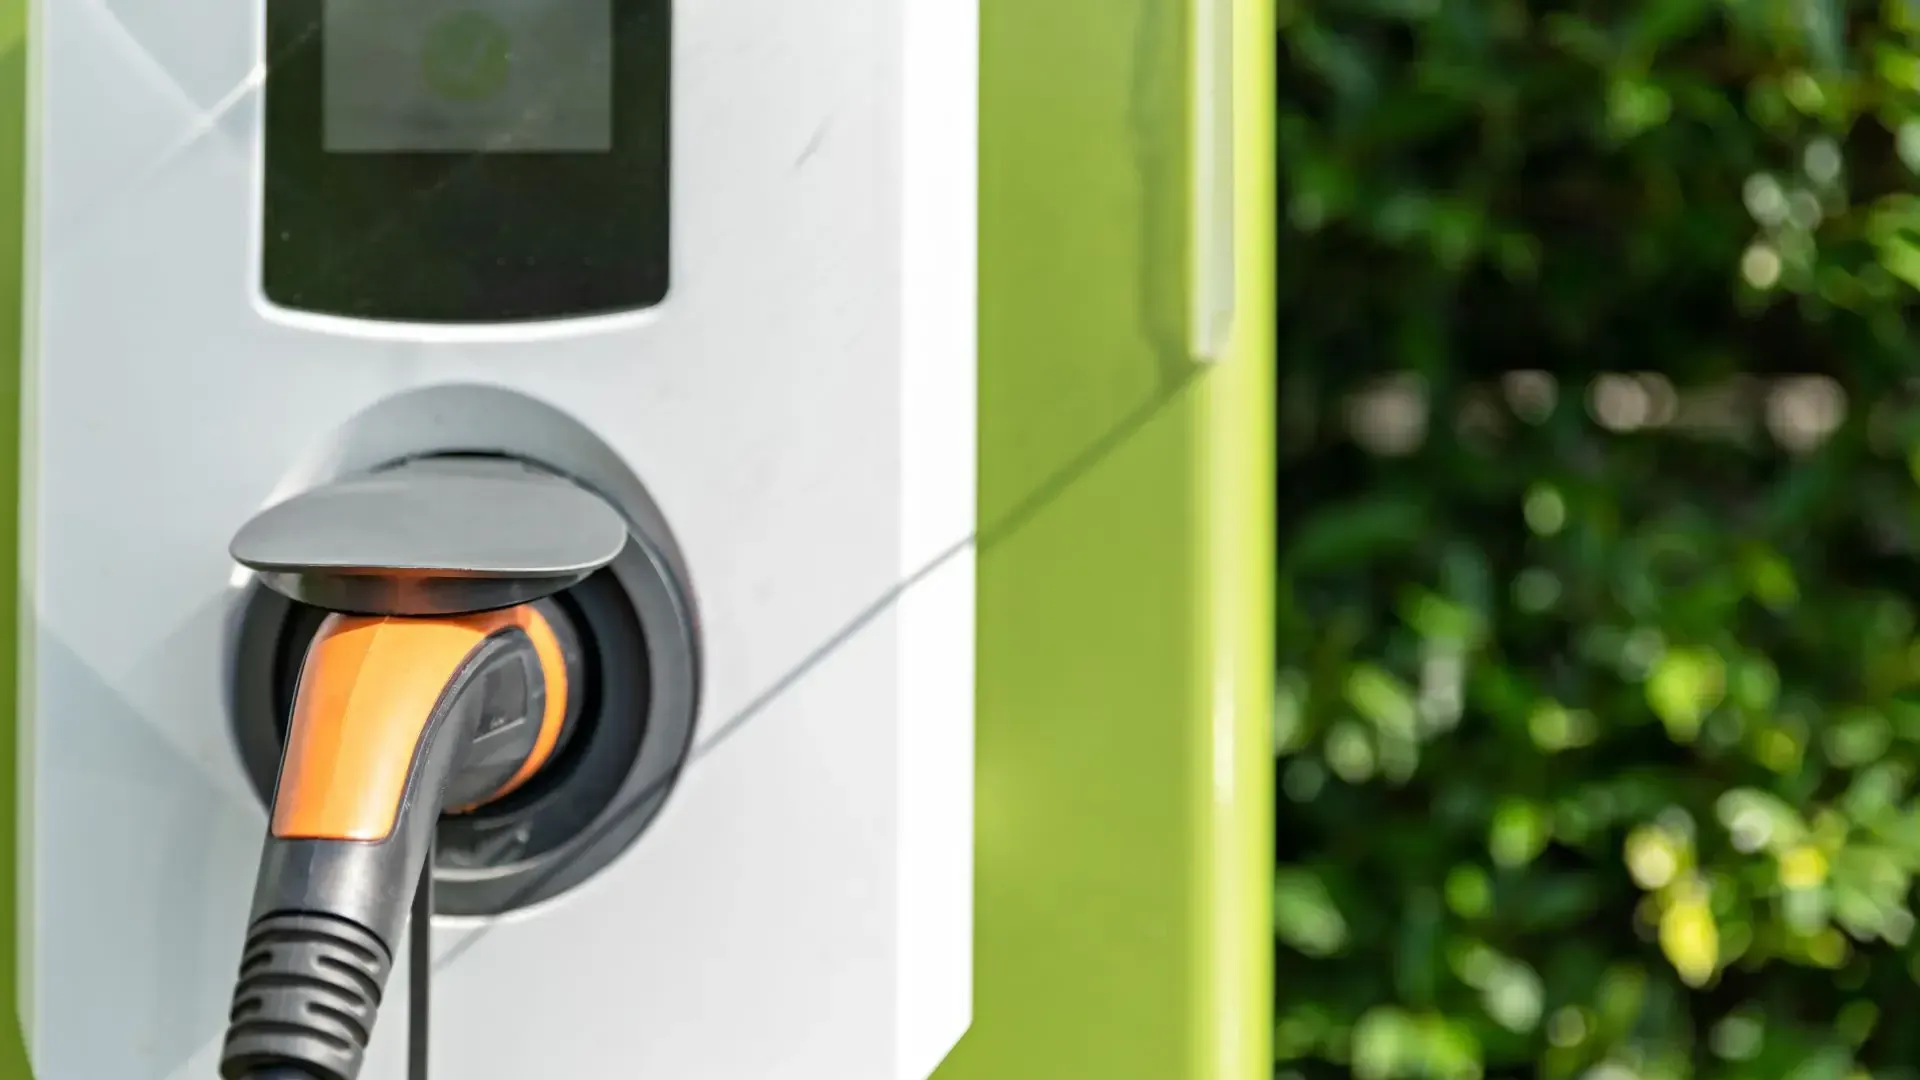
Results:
1125 749
13 113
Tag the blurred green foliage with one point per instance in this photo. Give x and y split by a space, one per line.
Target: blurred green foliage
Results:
1599 720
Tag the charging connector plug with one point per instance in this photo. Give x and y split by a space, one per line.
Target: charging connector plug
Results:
397 719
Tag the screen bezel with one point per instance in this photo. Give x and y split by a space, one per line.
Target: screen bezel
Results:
452 238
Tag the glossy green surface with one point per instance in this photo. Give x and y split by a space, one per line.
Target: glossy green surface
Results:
13 85
1123 927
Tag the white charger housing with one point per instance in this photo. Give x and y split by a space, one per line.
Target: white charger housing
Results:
799 406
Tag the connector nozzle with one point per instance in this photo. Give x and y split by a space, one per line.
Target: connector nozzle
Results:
396 720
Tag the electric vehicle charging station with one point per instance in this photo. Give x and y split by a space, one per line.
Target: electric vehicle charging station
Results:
1102 948
706 271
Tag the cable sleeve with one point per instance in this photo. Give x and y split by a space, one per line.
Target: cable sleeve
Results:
306 997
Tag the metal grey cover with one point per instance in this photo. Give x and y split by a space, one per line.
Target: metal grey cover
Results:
432 537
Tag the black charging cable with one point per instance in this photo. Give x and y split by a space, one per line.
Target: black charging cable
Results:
419 987
420 970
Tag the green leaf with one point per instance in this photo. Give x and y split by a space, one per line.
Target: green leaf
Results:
1384 700
1684 686
1635 105
1304 914
1362 530
1519 833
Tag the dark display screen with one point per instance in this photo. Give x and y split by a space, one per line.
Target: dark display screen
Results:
462 161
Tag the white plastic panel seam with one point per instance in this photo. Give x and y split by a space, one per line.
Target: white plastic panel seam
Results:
939 237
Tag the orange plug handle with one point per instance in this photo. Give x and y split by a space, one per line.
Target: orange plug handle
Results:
396 720
368 692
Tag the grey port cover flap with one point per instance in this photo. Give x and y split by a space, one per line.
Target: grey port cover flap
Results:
433 537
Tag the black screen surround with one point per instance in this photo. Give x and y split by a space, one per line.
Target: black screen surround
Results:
466 236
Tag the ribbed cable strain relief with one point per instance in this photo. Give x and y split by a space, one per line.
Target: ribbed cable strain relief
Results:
308 992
